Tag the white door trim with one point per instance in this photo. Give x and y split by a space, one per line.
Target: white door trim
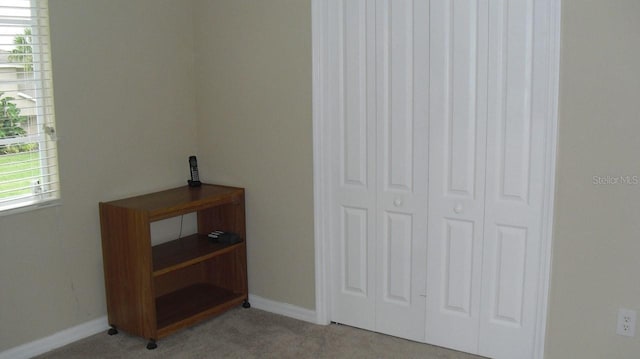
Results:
322 141
549 178
320 173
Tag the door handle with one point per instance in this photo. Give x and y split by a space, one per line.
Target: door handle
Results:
458 208
397 202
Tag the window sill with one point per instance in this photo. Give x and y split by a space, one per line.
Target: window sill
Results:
22 207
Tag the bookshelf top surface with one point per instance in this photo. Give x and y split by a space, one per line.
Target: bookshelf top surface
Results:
179 199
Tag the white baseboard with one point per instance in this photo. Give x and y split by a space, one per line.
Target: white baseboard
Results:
288 310
41 346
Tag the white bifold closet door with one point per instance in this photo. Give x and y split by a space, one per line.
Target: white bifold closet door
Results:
380 149
437 112
488 116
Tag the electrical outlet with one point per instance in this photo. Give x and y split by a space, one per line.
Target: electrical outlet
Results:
626 322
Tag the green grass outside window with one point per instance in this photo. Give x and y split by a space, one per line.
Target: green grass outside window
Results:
10 163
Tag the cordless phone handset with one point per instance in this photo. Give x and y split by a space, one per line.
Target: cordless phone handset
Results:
195 177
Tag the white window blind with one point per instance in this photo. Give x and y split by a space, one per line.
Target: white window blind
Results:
28 154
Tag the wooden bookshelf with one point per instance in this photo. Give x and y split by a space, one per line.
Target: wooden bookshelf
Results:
153 291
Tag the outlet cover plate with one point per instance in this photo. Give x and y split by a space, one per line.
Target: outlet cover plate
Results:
626 322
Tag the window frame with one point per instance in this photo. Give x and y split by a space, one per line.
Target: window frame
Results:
46 192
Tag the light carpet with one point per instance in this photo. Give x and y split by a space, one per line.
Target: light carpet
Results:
252 333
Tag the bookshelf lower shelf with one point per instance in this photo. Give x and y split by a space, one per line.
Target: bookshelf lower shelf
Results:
192 304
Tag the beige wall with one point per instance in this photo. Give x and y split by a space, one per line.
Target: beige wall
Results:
597 231
254 130
124 92
253 86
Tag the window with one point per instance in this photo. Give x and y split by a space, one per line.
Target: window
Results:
28 154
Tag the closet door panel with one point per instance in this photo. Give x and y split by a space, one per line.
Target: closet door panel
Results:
353 242
396 258
395 94
456 167
458 265
350 52
401 58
